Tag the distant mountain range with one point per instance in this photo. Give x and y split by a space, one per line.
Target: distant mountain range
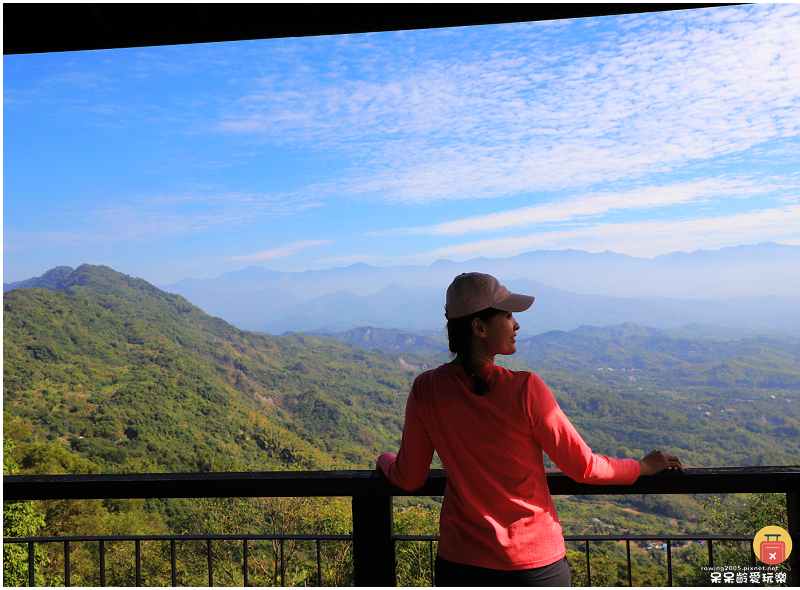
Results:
434 344
755 287
694 355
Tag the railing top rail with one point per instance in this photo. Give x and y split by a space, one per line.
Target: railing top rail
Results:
314 537
369 483
657 537
232 537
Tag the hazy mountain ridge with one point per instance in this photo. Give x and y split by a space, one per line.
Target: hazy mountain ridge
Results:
761 269
665 355
756 287
422 308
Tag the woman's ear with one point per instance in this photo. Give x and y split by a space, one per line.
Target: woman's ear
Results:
478 328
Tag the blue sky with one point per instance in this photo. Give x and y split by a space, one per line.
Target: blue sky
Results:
640 134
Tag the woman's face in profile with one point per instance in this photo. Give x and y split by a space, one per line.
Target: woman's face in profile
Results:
501 333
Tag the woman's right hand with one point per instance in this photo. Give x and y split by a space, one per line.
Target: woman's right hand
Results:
659 461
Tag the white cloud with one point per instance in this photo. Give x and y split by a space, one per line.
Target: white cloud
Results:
680 88
281 251
596 204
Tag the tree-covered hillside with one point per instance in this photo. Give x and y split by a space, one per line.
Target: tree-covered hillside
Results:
760 362
717 399
135 378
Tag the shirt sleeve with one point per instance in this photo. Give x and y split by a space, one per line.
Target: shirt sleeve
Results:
410 467
562 443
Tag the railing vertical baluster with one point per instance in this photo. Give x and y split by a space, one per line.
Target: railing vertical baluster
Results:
710 554
31 563
66 564
172 563
102 563
433 581
283 567
628 550
210 564
319 566
793 516
138 545
244 565
588 567
669 562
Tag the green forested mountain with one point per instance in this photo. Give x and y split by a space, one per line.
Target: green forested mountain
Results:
720 397
761 362
133 377
694 355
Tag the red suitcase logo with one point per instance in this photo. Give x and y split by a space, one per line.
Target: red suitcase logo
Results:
773 552
772 545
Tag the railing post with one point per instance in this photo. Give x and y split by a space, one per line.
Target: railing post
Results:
102 563
319 566
374 562
588 566
628 552
710 554
66 565
244 563
283 565
210 564
793 516
172 563
669 562
31 565
138 550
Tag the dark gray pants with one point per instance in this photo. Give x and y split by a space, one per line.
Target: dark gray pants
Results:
449 573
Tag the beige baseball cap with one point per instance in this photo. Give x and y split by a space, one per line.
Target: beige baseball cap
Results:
473 291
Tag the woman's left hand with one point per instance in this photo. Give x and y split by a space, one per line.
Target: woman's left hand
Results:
657 461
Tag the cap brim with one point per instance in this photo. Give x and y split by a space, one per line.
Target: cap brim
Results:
514 303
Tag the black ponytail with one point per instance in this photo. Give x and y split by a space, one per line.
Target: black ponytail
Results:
459 337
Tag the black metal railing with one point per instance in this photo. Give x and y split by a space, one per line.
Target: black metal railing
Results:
173 540
708 539
373 538
586 539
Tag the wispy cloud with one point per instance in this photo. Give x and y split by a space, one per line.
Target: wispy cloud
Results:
280 252
596 204
642 238
156 217
676 88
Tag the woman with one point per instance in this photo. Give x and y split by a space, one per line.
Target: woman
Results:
489 425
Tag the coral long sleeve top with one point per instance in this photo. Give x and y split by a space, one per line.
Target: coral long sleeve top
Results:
497 511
